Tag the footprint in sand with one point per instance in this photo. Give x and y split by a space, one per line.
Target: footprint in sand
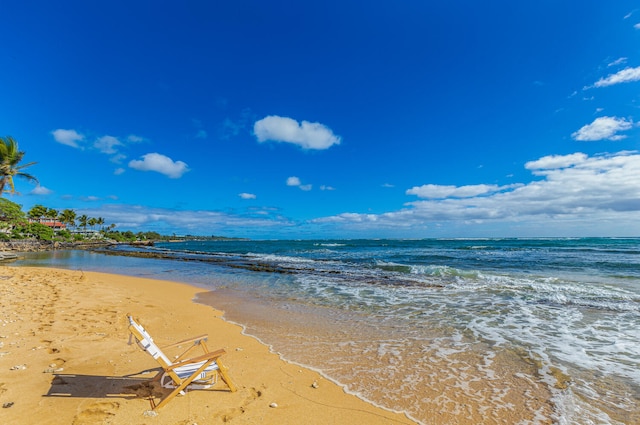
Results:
252 394
96 413
55 366
58 362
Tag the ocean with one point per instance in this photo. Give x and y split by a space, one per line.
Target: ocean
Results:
515 331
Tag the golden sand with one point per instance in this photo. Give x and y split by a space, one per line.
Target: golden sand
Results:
65 358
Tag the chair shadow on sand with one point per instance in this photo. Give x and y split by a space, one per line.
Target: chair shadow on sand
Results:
137 385
105 387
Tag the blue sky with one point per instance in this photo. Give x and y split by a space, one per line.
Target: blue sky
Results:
329 119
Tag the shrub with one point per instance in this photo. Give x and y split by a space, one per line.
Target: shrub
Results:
39 231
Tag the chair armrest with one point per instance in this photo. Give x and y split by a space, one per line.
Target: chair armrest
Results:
208 356
196 340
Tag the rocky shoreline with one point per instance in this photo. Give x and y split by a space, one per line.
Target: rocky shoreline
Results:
10 248
32 245
28 245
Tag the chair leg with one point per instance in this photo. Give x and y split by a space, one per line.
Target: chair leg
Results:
183 384
222 370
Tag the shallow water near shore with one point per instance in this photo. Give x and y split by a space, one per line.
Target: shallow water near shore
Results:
447 331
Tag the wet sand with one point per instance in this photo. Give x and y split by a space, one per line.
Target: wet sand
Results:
435 378
65 358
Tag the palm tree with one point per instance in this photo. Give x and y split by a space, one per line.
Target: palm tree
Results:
37 212
52 214
68 217
83 219
10 158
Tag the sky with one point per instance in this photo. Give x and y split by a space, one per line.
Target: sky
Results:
332 119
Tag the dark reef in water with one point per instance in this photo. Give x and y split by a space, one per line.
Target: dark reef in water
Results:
256 266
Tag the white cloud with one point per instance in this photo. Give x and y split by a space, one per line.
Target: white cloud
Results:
187 222
307 135
556 161
603 128
119 171
626 75
325 187
293 181
90 198
637 26
41 190
576 191
118 158
132 138
432 191
161 164
107 144
618 61
68 137
247 196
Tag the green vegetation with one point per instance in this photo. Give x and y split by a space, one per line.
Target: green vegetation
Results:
42 223
47 224
10 158
36 230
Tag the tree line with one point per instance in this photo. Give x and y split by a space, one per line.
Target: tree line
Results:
17 224
67 217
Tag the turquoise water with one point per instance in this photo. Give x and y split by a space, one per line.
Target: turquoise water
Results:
534 330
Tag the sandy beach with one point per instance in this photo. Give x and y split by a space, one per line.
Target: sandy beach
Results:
65 358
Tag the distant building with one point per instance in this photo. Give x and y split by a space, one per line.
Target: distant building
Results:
58 226
54 224
87 233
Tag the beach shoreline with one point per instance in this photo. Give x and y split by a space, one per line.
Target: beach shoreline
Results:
66 358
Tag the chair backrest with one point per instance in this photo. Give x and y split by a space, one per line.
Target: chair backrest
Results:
146 342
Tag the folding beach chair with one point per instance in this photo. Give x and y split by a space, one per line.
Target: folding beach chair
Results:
183 373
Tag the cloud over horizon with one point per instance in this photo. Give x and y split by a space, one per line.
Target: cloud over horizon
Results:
171 221
307 135
574 188
432 191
